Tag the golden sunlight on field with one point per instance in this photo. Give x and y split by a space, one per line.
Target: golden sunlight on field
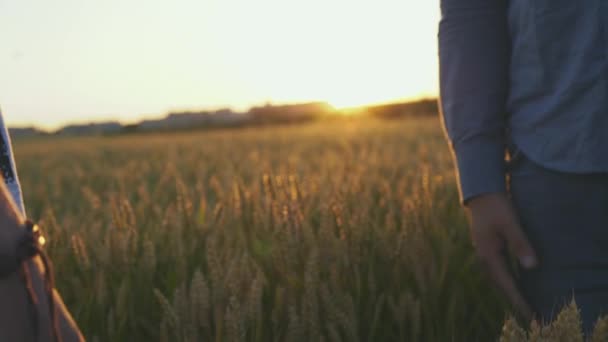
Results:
346 229
341 230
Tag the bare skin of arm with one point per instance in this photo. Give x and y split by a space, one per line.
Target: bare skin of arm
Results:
21 321
494 228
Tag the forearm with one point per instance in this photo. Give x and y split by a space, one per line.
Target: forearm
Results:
474 49
15 283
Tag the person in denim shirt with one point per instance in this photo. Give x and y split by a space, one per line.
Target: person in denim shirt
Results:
523 95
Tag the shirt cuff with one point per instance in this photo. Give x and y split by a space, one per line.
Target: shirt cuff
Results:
481 167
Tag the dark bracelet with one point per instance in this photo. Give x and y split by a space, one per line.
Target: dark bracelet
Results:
29 244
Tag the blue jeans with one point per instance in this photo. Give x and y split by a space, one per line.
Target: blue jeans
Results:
565 216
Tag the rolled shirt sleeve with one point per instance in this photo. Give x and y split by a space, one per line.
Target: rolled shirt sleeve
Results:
474 49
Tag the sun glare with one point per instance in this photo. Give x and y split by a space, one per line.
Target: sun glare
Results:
369 53
348 95
217 53
350 101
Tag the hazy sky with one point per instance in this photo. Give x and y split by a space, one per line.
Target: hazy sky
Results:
80 60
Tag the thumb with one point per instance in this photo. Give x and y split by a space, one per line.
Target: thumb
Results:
520 246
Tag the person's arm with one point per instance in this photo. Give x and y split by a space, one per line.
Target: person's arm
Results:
20 319
17 319
474 53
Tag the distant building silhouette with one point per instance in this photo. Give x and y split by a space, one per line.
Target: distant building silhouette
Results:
187 120
91 129
22 132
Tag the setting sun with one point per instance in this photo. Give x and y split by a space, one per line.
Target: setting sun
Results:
73 60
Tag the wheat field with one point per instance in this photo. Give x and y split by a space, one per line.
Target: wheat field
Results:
345 230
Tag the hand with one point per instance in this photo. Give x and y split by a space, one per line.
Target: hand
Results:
494 226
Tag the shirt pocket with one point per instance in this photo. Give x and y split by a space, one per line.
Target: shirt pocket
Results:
569 37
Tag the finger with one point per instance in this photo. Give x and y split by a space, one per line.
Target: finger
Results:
497 269
519 245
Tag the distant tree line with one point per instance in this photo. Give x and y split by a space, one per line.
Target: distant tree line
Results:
224 118
424 107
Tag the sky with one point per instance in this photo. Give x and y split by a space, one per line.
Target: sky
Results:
65 61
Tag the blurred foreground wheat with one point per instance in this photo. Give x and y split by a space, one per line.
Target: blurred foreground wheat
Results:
566 327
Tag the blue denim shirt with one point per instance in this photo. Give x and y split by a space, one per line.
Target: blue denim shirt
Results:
527 73
7 166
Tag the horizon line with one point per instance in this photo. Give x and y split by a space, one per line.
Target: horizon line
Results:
211 109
